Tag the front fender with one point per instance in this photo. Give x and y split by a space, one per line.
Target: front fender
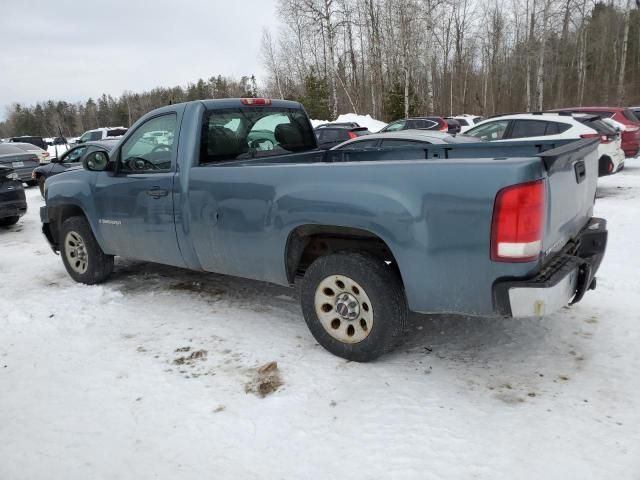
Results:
68 194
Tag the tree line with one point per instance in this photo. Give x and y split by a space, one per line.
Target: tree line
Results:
394 58
52 118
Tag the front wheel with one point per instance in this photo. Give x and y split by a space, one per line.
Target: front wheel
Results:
354 305
82 256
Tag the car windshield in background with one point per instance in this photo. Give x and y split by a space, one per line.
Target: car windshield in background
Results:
231 134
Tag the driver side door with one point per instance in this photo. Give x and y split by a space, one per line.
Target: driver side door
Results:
135 206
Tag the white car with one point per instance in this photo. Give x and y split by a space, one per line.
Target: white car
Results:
102 134
554 126
467 121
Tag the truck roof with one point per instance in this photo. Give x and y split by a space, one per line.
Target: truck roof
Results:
238 102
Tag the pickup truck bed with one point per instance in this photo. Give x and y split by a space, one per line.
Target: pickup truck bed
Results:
444 226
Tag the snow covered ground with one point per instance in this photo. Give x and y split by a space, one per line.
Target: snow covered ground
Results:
93 385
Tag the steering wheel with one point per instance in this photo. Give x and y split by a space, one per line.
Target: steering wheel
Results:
162 147
262 144
139 164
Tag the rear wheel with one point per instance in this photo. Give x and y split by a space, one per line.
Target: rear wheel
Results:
8 221
354 305
82 256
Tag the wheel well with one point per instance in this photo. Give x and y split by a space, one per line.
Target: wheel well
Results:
309 242
58 215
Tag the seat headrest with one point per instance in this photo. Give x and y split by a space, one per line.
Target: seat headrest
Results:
289 137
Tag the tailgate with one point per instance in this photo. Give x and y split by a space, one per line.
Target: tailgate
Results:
572 176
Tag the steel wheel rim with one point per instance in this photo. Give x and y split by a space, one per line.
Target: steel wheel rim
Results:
334 304
76 252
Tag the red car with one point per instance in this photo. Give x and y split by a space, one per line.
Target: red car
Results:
630 132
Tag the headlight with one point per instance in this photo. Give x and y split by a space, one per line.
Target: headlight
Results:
13 176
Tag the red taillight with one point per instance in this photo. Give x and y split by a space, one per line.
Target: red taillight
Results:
255 101
352 135
516 229
444 128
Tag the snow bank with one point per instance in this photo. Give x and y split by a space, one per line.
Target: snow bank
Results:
363 120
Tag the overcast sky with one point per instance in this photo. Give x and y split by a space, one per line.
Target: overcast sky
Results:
72 50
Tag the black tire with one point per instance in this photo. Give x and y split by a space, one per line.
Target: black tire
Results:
8 221
97 265
381 285
41 180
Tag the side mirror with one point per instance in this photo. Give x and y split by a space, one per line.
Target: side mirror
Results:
96 161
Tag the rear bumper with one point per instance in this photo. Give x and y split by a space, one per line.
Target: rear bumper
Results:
563 280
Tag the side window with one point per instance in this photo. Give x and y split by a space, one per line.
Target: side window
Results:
490 131
403 144
149 148
462 122
95 135
395 126
552 128
528 128
74 155
426 124
320 135
361 145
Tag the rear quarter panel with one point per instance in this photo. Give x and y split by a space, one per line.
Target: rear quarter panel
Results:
435 216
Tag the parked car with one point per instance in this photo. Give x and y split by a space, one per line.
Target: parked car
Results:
550 126
13 203
101 134
453 230
339 124
610 149
417 123
68 160
466 121
625 116
22 162
404 140
37 141
330 135
43 155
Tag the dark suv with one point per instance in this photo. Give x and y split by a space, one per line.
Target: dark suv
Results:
37 141
418 123
329 135
13 203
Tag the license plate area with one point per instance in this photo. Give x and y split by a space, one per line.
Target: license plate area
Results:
17 164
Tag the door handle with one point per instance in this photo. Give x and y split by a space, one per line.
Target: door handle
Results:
157 192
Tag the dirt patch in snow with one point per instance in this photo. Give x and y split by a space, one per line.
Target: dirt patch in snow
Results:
266 380
195 356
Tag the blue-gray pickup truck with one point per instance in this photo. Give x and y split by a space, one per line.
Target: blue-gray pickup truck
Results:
238 186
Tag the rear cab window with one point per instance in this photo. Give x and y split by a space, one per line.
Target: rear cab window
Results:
254 132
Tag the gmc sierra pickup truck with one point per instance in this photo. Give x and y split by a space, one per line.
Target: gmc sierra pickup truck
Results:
238 186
